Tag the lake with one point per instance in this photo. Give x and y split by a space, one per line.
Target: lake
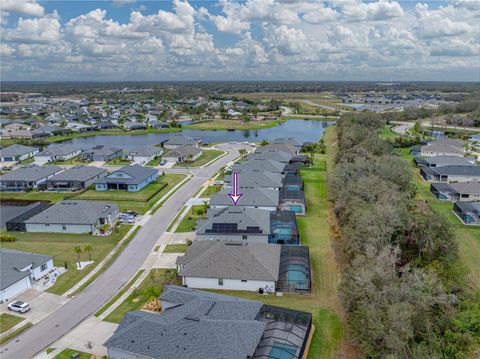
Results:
302 130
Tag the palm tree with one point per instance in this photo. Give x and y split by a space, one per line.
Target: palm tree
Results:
88 248
78 250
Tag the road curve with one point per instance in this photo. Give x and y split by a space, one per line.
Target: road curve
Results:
64 319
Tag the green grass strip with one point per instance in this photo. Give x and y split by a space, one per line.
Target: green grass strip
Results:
12 335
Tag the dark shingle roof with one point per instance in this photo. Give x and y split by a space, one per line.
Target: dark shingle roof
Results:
136 173
16 150
58 150
257 178
243 217
261 197
232 260
261 165
30 173
457 170
145 150
178 140
11 261
78 173
200 325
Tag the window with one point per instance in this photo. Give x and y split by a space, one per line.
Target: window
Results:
47 225
64 227
43 267
220 281
244 281
244 236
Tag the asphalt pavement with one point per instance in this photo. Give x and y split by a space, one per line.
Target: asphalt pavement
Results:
68 316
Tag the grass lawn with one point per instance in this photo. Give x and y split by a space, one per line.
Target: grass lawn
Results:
210 191
72 161
468 237
8 321
235 124
189 222
323 302
36 196
67 354
155 161
118 161
27 161
207 156
150 288
176 248
139 201
386 133
60 246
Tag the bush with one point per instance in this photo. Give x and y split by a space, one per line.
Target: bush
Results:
7 238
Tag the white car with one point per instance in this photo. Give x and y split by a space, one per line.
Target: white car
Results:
19 306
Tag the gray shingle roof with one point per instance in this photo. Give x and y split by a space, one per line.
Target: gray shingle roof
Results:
280 156
30 173
60 150
231 260
445 161
103 150
460 187
262 197
12 260
244 217
16 150
74 212
457 170
473 207
145 150
201 325
184 151
261 165
179 139
257 178
137 173
445 145
78 173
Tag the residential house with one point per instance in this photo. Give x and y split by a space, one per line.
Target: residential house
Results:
19 270
57 153
25 134
204 325
259 165
73 217
130 178
235 223
439 161
183 154
262 198
279 156
51 130
27 177
230 265
101 153
289 141
75 178
104 125
451 173
257 178
281 147
178 139
468 212
460 191
132 126
443 147
158 124
144 154
16 153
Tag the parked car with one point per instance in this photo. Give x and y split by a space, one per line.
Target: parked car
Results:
132 213
19 306
163 162
218 183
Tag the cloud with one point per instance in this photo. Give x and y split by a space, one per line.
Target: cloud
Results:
120 3
26 7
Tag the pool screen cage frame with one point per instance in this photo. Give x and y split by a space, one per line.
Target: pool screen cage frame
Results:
285 327
294 255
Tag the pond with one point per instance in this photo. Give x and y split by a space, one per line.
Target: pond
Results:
302 130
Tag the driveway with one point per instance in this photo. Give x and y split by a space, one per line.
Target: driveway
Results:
67 317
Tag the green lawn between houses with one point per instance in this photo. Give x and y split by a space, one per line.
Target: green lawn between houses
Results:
207 156
150 288
140 201
60 246
67 354
8 321
176 248
211 191
189 222
468 236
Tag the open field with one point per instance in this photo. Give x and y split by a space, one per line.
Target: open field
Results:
233 124
207 156
314 228
139 201
61 246
149 289
8 321
189 222
468 236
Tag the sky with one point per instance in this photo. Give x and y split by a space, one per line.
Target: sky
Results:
254 40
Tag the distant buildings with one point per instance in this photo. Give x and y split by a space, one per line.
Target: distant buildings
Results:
101 153
184 153
16 153
179 139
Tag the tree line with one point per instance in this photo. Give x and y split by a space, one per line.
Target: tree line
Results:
403 285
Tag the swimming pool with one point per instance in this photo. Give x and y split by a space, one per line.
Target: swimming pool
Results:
297 275
282 351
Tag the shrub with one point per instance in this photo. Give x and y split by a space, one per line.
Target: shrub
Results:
7 238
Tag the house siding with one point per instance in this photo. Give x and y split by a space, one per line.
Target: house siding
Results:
58 228
228 284
237 237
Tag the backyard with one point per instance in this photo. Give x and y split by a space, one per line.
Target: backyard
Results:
61 247
139 201
207 156
149 289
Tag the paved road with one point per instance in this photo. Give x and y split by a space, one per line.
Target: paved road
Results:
60 322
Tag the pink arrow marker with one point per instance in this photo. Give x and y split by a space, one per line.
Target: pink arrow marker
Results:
235 196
